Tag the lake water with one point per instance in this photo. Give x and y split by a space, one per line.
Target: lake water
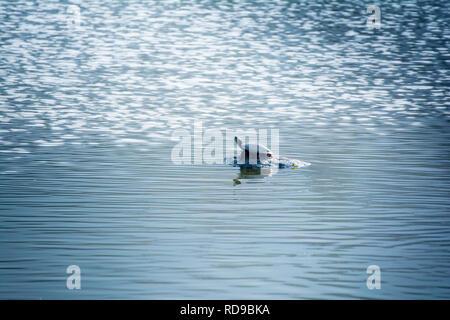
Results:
89 103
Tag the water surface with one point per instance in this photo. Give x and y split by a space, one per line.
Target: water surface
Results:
86 119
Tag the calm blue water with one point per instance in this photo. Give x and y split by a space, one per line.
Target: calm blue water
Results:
87 114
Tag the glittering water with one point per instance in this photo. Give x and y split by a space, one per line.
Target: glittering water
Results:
87 113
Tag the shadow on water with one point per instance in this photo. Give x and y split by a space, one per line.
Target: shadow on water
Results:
252 174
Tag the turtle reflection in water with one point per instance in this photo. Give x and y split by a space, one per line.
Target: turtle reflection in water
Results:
251 173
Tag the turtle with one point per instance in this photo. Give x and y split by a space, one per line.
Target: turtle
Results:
259 156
